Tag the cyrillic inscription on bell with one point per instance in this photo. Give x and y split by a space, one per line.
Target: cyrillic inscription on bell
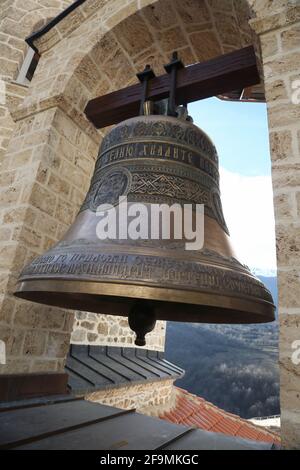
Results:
151 160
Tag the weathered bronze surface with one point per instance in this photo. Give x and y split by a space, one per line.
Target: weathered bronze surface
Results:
151 159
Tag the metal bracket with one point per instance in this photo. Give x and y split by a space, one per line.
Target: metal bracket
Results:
171 68
144 77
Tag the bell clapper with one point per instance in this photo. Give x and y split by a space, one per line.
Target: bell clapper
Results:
141 320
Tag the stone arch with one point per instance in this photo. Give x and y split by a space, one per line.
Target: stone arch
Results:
113 51
199 30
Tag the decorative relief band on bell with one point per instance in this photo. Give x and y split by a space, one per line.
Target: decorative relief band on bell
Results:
158 150
153 270
159 184
185 134
155 183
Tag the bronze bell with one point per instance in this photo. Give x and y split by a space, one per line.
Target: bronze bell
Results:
151 159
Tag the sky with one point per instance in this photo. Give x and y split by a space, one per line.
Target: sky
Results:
240 134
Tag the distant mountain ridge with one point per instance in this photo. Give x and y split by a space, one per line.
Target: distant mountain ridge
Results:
233 366
260 272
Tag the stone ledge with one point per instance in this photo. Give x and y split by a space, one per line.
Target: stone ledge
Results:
65 105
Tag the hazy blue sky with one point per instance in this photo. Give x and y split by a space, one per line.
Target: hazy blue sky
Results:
240 134
239 131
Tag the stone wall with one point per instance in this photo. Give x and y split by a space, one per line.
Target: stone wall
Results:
41 191
146 398
280 40
36 338
18 19
108 330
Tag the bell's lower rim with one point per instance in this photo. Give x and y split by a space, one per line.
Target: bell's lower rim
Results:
169 303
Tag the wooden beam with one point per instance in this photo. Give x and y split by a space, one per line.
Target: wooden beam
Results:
225 73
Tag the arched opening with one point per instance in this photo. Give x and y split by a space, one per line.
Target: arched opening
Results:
197 30
108 61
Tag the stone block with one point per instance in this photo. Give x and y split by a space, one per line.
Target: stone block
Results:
172 39
192 12
298 202
27 315
29 236
205 44
284 114
283 207
133 33
288 245
92 337
52 318
34 343
87 325
43 199
7 254
269 45
58 185
160 15
281 65
286 176
290 38
78 336
88 74
281 145
57 345
104 49
289 285
275 91
290 428
102 328
46 365
7 307
228 29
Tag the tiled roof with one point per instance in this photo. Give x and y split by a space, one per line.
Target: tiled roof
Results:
191 410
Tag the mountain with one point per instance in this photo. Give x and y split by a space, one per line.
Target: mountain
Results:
233 366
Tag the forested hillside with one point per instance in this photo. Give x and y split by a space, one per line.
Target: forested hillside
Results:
233 366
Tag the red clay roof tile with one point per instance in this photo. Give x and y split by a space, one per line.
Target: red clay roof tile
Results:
195 411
